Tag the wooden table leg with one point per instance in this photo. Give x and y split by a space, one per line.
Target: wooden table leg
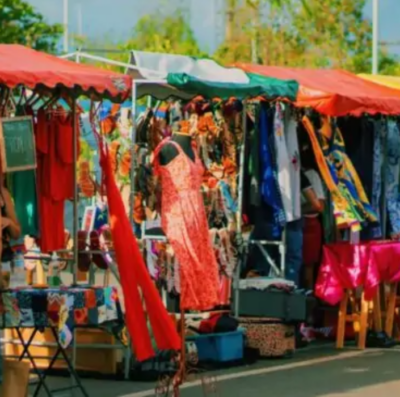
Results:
342 321
362 336
391 307
377 313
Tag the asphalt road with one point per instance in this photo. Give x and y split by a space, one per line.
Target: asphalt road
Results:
322 372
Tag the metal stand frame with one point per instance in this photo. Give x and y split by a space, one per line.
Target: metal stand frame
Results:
42 375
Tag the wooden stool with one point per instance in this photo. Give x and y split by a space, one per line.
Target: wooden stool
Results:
358 317
367 315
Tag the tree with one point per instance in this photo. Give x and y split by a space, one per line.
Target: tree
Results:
156 32
312 33
20 23
170 34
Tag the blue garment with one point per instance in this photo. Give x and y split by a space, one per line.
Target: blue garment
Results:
270 192
89 137
229 202
376 231
101 218
392 176
294 250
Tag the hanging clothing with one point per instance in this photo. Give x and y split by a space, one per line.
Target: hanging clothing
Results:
351 205
358 134
55 175
269 180
379 128
349 179
283 162
292 145
134 275
23 191
185 224
253 166
392 173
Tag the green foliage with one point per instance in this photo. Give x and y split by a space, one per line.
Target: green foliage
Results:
168 34
303 33
20 23
309 33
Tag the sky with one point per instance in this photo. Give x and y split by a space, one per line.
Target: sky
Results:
115 19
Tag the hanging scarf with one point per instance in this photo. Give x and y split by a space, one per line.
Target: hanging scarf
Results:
134 276
350 202
342 210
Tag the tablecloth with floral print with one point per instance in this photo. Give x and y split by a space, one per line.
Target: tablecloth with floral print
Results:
61 308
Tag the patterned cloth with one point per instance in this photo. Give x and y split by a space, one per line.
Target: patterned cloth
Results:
379 129
351 205
185 224
63 308
392 172
269 178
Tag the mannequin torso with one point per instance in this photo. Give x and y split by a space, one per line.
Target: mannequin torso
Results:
169 152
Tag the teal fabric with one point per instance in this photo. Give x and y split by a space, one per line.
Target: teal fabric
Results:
23 191
267 87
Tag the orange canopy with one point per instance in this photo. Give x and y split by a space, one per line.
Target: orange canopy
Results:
35 70
334 92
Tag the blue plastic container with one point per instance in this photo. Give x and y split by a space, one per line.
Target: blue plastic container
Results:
220 347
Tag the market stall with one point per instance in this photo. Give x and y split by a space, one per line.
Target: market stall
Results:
51 79
355 130
205 78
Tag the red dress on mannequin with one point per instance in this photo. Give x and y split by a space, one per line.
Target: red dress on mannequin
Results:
185 224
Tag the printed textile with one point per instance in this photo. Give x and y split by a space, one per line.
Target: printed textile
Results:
270 191
351 205
63 308
392 172
185 224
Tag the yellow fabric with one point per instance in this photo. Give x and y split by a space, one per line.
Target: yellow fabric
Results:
339 202
387 81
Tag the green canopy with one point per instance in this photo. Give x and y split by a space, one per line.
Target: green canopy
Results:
267 87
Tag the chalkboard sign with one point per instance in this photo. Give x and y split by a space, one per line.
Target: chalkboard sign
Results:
17 144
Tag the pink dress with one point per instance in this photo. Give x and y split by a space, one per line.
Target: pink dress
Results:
185 225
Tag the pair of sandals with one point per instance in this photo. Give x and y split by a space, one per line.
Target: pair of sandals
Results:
85 259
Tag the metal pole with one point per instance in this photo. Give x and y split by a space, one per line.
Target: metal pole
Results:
80 20
128 351
75 202
240 207
375 36
65 16
133 154
75 221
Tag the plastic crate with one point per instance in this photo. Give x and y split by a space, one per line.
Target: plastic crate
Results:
220 347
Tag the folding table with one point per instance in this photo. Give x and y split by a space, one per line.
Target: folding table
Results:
61 310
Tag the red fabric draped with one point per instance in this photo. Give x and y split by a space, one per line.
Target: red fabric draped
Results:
134 275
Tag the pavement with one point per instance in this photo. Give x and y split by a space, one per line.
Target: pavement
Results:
313 372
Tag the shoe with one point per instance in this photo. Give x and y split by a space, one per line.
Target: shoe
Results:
379 340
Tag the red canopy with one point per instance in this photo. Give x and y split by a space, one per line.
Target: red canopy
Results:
334 92
20 65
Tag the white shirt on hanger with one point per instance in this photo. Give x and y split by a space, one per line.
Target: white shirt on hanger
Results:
294 163
283 164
